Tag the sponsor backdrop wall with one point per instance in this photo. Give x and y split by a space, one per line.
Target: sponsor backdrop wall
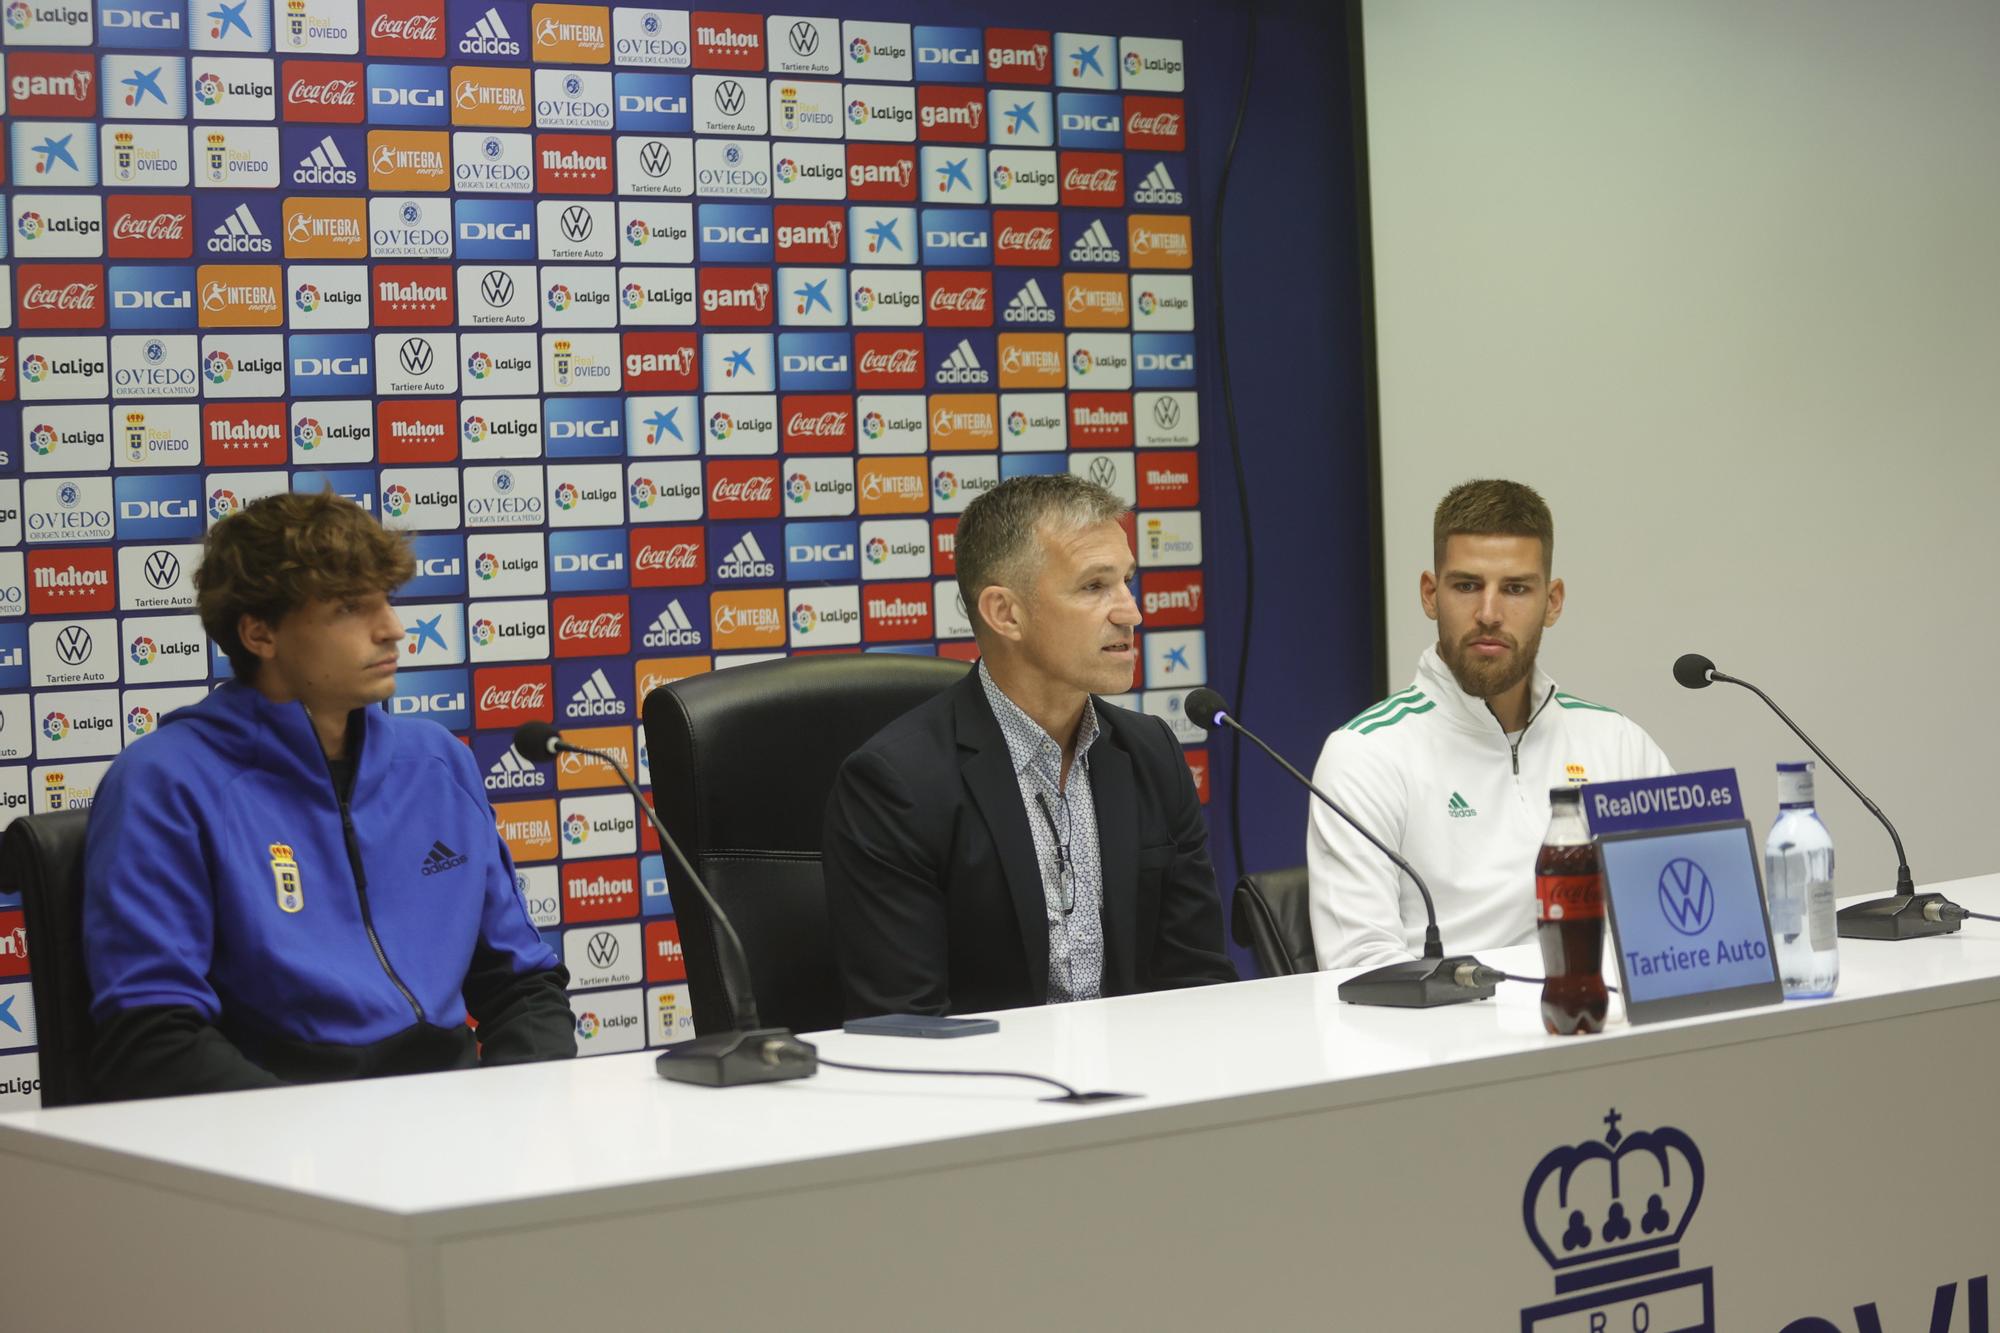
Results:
674 341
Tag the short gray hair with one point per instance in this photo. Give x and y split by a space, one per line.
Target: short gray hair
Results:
998 539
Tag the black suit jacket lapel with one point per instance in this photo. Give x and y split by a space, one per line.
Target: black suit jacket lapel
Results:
1116 797
988 767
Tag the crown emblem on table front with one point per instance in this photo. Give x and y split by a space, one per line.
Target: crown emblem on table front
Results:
1613 1198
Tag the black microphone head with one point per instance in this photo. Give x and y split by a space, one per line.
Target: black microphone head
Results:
1204 707
536 742
1694 671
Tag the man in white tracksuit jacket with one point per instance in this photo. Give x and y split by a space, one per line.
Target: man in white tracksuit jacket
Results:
1454 771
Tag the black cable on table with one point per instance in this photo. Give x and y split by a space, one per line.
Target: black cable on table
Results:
1068 1091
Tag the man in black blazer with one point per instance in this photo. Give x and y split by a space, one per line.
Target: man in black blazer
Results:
1015 840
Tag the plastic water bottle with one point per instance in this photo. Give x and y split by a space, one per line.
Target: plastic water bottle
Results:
1798 877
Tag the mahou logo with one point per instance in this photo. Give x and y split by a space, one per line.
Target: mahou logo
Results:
1093 179
406 28
889 361
509 696
320 90
668 557
413 295
1100 418
592 626
727 41
896 611
63 582
742 489
573 164
61 296
143 226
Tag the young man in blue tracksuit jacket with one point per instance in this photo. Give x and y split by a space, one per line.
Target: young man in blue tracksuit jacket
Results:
285 883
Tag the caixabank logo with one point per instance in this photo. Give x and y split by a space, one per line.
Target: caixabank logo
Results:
1607 1215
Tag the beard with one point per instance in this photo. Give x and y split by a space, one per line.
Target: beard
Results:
1488 678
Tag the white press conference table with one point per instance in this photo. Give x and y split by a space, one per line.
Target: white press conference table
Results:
1292 1162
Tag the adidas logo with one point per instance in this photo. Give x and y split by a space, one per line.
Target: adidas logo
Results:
962 367
1458 808
1029 306
511 772
325 166
1158 188
672 629
239 234
1095 247
594 698
440 859
489 37
746 560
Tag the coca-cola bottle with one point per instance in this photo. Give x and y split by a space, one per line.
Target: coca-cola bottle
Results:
1569 919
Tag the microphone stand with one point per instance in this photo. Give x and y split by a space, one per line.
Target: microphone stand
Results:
1904 914
1418 983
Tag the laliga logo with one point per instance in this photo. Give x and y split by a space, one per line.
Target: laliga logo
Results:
30 226
566 495
864 297
221 504
306 298
17 15
55 726
396 501
1604 1212
644 492
475 429
798 488
217 367
804 618
634 296
559 297
1081 361
140 721
42 439
946 485
484 632
144 650
873 425
208 90
575 829
788 171
479 365
1017 421
636 232
34 368
877 550
486 566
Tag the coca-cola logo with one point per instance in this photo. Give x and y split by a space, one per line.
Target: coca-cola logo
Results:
157 227
602 626
965 299
825 425
1104 180
333 92
68 296
1165 123
902 361
679 557
1027 238
525 697
760 489
408 28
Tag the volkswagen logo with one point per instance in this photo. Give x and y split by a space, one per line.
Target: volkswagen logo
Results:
497 288
729 97
415 354
603 949
655 158
1104 472
1687 898
73 645
804 38
577 222
163 569
1166 412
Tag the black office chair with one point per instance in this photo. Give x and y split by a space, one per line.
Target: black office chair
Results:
41 858
1270 916
742 761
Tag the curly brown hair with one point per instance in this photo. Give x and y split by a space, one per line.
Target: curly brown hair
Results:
276 554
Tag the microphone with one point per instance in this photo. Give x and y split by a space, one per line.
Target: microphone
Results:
1420 983
747 1052
1903 915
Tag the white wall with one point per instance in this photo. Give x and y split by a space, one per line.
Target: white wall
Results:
1723 281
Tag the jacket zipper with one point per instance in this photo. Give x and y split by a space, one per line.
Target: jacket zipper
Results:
1514 743
361 893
